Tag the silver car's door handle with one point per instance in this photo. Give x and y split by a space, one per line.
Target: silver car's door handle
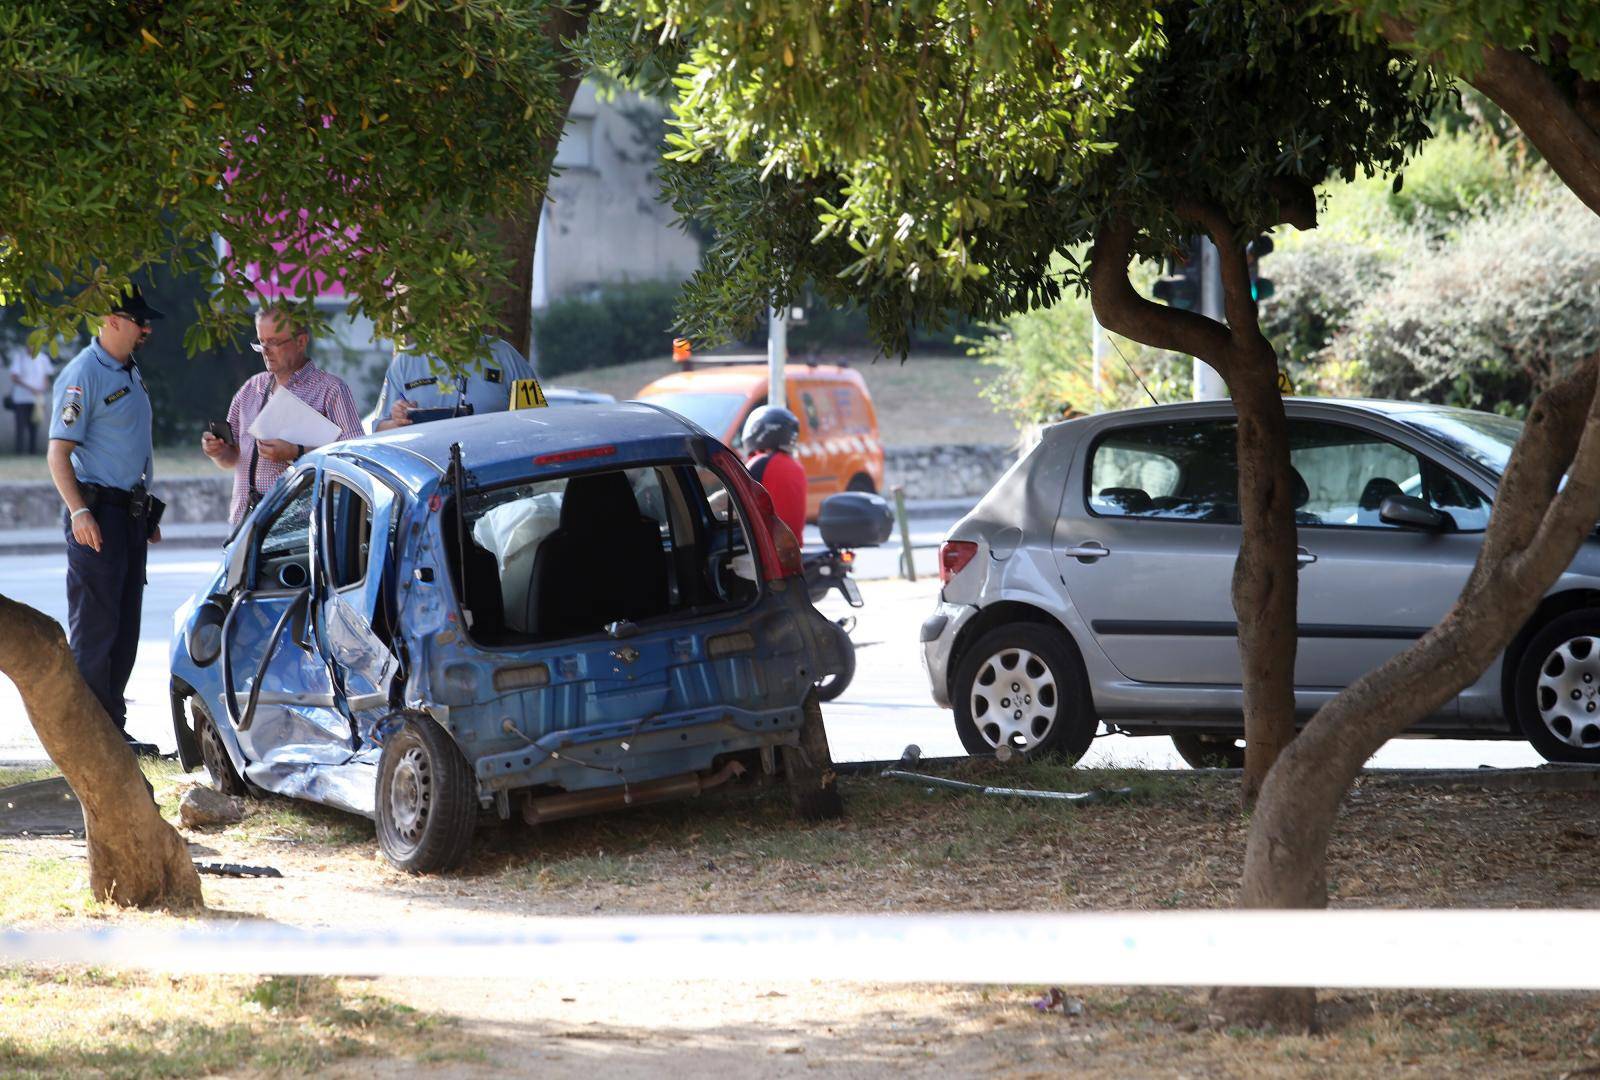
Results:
1088 551
1304 557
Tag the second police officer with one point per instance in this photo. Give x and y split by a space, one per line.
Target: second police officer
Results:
416 381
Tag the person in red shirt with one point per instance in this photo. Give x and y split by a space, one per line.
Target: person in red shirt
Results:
769 438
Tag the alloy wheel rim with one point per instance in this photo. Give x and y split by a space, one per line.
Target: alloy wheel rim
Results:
411 795
1568 693
1015 700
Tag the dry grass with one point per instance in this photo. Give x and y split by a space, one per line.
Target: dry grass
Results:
928 399
76 1023
1176 842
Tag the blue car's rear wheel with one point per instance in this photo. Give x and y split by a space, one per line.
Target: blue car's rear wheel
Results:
808 770
427 799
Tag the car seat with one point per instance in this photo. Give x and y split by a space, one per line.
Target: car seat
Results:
604 563
1130 500
1378 489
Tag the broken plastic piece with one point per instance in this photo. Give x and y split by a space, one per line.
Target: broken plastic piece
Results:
229 869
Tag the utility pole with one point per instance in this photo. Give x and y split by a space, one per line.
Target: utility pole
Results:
1099 349
777 353
1208 385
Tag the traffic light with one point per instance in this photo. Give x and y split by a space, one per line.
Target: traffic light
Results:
1179 287
1260 287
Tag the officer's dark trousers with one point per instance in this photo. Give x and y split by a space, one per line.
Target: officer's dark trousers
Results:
105 589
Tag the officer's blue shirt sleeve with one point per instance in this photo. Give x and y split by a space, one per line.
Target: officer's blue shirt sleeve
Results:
69 414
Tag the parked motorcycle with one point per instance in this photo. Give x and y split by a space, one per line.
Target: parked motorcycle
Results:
850 520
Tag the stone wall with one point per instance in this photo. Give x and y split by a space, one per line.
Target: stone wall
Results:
947 472
34 504
928 472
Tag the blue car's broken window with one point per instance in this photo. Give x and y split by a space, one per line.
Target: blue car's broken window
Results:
553 559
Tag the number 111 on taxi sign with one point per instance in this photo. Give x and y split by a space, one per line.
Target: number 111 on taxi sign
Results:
527 394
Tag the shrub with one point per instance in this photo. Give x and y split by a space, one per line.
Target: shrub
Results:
615 324
1044 365
1489 314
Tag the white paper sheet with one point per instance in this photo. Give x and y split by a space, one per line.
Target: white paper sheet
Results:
288 418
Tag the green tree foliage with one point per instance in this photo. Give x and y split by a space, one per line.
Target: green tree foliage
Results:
1041 365
363 143
1221 100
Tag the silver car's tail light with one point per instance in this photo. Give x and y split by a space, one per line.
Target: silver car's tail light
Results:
954 555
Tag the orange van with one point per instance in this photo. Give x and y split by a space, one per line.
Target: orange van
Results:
839 444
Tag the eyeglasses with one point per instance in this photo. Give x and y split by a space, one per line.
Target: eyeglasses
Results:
138 320
274 344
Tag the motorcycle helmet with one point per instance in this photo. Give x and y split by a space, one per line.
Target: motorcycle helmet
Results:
771 427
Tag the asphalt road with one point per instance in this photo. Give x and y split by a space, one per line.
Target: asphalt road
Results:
884 709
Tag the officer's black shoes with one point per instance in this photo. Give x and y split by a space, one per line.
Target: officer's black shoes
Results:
142 749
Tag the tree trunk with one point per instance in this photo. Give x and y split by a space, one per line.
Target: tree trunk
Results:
1265 589
135 858
1534 532
1264 583
518 234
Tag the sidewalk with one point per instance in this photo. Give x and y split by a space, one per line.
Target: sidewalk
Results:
211 534
205 534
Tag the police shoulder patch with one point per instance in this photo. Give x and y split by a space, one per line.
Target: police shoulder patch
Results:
70 413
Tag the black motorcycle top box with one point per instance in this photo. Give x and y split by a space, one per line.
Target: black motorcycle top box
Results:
855 519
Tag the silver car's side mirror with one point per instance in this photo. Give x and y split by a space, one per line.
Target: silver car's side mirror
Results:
1407 510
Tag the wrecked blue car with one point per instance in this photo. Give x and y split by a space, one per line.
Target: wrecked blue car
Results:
548 612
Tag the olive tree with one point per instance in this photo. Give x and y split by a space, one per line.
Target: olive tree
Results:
363 144
936 157
1540 62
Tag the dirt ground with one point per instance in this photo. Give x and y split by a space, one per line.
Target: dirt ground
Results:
1177 842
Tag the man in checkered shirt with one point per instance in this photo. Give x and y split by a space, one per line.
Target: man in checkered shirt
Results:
257 465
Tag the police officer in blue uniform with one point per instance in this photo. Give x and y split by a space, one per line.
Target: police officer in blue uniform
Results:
101 460
414 382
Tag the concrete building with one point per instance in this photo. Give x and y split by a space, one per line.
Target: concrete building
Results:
603 223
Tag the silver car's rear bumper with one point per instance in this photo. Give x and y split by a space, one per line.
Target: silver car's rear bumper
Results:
939 633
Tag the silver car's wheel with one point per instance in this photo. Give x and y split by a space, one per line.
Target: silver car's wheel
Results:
1015 702
1568 693
1021 687
1556 695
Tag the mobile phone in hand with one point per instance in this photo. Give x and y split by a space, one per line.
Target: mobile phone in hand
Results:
222 430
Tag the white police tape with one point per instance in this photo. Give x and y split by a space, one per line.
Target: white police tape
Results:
1531 950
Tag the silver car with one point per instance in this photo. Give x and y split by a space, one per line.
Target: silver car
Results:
1092 584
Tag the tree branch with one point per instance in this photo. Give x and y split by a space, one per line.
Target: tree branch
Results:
1120 308
1573 511
1560 126
1544 452
1237 303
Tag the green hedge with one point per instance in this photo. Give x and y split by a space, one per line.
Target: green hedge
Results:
618 324
615 325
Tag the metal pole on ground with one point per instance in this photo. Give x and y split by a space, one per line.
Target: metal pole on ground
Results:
908 562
